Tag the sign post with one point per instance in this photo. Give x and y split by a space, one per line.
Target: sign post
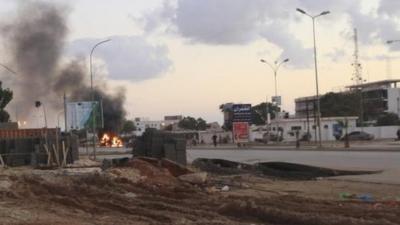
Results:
241 132
241 123
79 115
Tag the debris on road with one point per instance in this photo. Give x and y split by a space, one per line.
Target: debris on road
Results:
281 170
194 178
225 188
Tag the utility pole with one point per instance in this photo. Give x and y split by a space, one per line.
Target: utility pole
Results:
65 113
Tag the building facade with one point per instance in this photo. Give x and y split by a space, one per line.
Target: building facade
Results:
143 123
378 98
306 107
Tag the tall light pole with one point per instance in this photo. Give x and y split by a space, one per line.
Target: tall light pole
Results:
389 59
92 97
316 70
275 68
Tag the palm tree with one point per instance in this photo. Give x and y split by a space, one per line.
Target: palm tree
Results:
226 109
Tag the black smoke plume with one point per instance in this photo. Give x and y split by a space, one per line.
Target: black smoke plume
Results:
35 40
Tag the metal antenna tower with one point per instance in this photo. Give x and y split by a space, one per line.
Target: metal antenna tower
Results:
357 74
357 77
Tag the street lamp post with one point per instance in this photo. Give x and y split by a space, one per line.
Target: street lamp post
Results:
275 68
316 70
92 97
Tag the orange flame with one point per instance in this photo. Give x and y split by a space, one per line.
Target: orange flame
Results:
109 140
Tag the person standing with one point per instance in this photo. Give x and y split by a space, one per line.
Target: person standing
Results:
214 138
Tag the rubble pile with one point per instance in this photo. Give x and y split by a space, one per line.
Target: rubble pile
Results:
148 170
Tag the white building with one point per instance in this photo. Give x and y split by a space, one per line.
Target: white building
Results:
143 123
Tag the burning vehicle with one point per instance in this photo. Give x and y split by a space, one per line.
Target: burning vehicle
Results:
111 140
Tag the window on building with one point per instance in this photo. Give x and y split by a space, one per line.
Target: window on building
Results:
385 93
295 128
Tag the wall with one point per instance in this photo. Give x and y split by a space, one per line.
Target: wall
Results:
8 125
326 127
256 135
383 132
206 137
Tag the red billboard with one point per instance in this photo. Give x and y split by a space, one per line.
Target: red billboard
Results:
241 132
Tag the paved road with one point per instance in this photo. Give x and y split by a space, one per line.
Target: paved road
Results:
364 160
387 161
333 159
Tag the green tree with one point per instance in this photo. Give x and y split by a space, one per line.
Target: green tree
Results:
388 119
188 123
201 124
259 112
128 126
169 127
341 104
227 110
6 96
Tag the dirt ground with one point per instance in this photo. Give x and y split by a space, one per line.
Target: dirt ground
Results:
144 193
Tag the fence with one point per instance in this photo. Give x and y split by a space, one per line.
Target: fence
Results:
37 147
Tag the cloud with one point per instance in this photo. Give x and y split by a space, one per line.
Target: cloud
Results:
219 22
336 55
230 22
126 57
240 22
389 7
300 57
